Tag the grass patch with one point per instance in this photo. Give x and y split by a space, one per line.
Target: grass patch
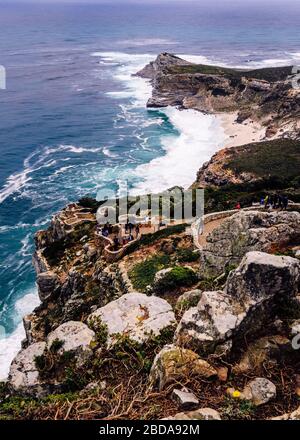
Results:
177 277
142 274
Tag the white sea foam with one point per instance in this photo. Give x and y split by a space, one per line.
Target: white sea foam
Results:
200 136
11 344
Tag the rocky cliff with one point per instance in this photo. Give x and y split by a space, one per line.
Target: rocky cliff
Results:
264 95
170 330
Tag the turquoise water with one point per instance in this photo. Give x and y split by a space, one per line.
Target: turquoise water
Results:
73 121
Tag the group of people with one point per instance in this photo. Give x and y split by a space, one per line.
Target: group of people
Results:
132 231
275 201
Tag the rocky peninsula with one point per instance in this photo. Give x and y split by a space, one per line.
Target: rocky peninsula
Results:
178 325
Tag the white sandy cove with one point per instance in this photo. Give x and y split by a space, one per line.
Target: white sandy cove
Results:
240 134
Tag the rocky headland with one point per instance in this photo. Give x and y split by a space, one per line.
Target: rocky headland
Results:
174 326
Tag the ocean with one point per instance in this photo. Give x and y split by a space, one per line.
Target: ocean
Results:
73 119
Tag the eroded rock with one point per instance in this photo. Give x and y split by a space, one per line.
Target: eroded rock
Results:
247 231
173 364
24 375
251 296
136 316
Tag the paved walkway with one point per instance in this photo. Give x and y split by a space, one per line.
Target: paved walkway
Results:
208 228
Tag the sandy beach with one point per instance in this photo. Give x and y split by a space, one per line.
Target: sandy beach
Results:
240 134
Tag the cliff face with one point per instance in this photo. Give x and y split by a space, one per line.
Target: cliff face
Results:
265 95
279 158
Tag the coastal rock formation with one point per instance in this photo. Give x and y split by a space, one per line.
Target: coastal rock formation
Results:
24 375
264 94
250 163
248 302
135 315
173 364
75 337
247 231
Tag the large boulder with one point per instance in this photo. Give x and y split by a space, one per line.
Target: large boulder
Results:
252 294
75 337
173 364
134 315
24 375
247 231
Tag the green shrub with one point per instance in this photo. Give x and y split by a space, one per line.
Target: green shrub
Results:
56 345
186 255
177 277
143 273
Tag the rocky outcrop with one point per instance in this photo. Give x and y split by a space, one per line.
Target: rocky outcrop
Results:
173 364
247 231
250 299
24 375
250 163
265 94
163 61
135 315
74 337
47 284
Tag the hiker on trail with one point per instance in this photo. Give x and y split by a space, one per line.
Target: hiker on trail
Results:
238 205
137 230
116 243
275 201
285 202
267 199
105 231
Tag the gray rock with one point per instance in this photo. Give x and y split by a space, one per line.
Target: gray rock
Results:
199 414
173 364
249 300
161 274
135 315
261 276
24 375
259 391
192 296
243 232
185 399
47 284
76 337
